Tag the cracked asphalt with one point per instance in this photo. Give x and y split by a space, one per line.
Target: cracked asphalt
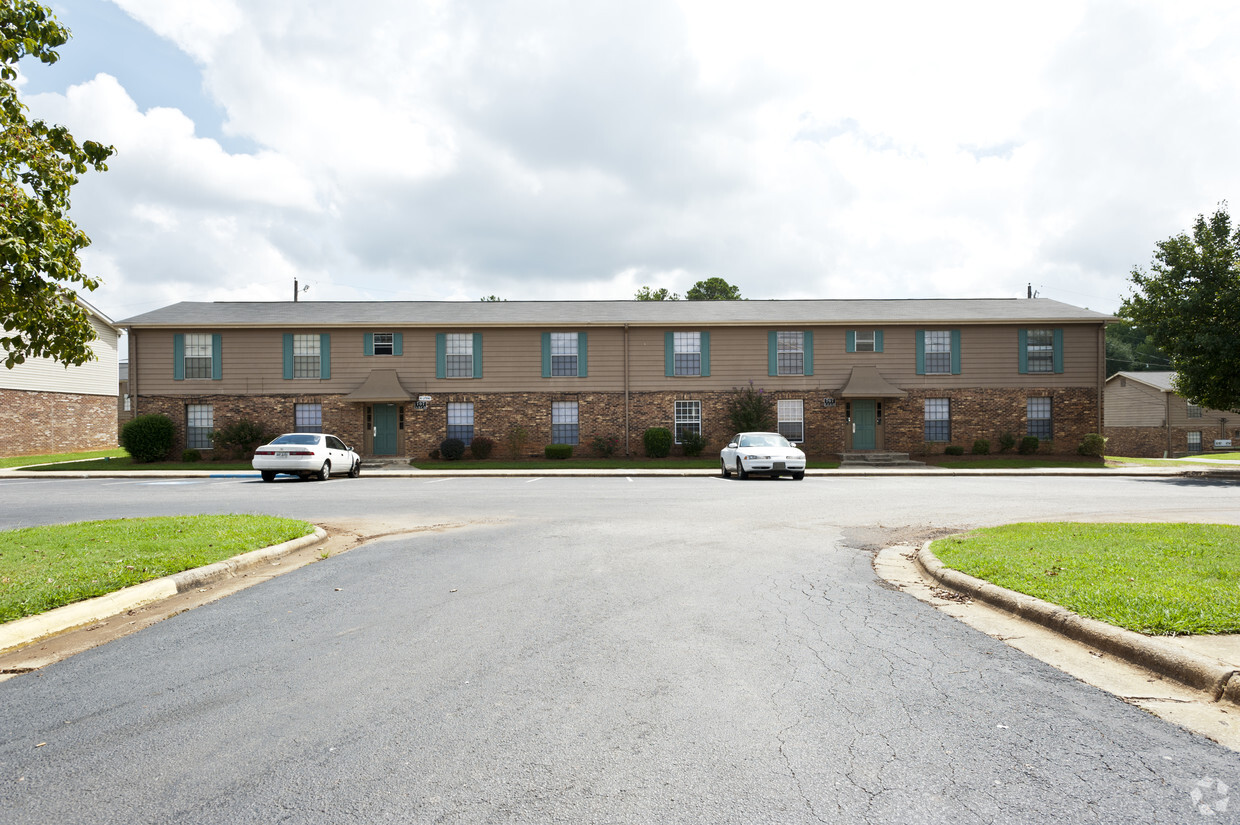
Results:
595 650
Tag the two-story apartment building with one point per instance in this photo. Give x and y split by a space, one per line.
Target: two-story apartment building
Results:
1145 416
47 407
396 378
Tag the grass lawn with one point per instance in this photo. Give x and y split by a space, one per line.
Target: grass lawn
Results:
707 463
124 462
1159 579
46 567
26 460
1010 462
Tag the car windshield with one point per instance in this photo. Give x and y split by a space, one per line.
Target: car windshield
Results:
298 438
763 441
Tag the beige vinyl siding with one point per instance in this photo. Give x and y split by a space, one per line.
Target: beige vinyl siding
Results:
1208 422
1134 405
252 361
97 377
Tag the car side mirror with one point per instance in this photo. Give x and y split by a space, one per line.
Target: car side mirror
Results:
732 446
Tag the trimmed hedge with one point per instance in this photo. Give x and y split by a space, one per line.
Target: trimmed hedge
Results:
657 441
481 447
981 447
148 438
452 449
1092 445
1028 445
558 451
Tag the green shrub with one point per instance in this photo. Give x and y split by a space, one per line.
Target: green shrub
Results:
1028 445
1092 445
692 443
241 438
750 409
657 441
605 446
1006 442
452 449
981 447
558 451
190 456
433 455
148 438
953 449
481 447
515 440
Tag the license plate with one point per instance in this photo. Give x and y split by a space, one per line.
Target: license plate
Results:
778 465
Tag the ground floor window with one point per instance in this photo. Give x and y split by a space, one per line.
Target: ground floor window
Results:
791 418
308 418
461 421
1194 442
199 422
938 423
1038 418
563 422
688 419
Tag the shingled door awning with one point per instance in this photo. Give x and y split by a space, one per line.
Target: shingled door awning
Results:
866 382
380 387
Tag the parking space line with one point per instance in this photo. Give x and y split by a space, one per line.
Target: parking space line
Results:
532 480
437 480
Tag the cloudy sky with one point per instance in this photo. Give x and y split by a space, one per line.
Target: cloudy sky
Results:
578 149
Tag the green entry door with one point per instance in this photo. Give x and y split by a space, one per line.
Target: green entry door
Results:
864 417
385 429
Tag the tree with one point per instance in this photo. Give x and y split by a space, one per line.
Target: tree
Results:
1132 349
39 163
491 299
661 294
713 289
1189 303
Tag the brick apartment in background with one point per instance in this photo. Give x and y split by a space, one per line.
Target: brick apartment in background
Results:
1145 417
396 378
46 407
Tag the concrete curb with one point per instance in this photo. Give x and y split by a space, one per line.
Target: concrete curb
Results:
1152 653
21 632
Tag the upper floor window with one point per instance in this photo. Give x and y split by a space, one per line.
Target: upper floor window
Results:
307 351
938 352
458 355
382 343
1041 350
791 353
564 355
863 340
688 353
1194 411
196 355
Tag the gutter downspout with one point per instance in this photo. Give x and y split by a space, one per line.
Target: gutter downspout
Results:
132 345
1102 378
1167 399
626 391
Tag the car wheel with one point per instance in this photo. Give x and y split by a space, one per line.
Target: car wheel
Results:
723 469
740 470
798 476
269 475
356 469
325 472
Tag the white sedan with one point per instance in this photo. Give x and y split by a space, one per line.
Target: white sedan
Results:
768 454
306 455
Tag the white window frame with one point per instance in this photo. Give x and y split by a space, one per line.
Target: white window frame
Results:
308 418
790 353
686 415
459 355
307 355
1044 431
790 414
686 354
198 355
938 352
199 424
864 340
565 426
564 355
1192 410
937 411
460 421
383 343
1040 350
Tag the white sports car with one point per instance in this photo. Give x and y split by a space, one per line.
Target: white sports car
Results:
306 455
767 454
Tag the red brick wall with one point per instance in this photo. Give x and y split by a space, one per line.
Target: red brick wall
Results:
1151 442
976 413
39 423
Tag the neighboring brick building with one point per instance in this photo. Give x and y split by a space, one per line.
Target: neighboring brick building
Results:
1145 417
396 378
46 407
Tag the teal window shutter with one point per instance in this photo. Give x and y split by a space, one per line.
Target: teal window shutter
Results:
325 356
441 355
850 341
477 355
217 352
546 355
178 357
669 354
368 343
1022 347
705 353
582 355
878 340
772 353
807 345
398 343
920 336
1058 350
955 352
288 355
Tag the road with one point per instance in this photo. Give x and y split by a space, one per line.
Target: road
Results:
595 650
